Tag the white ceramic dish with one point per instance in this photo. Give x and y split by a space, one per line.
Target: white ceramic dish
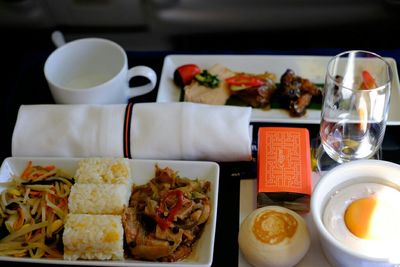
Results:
311 67
375 171
142 172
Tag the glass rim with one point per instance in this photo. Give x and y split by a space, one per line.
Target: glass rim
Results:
383 86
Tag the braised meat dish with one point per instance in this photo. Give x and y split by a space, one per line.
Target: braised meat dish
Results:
166 216
297 92
255 90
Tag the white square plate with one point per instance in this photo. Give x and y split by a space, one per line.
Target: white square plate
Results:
142 172
310 67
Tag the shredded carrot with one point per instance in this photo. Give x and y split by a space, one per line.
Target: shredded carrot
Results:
38 207
35 193
49 168
20 222
27 170
36 236
28 236
62 203
20 254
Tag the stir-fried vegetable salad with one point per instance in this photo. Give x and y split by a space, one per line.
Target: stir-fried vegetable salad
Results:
33 207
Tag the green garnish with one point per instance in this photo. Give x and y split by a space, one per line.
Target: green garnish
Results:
207 79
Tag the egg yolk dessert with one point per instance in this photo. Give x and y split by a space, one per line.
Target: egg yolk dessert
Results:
273 236
373 218
365 217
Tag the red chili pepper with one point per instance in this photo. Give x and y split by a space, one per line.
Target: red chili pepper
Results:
368 81
165 222
246 80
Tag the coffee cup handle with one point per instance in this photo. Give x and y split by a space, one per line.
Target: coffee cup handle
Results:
145 72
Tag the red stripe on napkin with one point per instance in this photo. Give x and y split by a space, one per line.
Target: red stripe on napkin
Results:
127 130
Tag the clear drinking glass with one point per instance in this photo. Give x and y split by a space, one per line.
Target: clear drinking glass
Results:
355 106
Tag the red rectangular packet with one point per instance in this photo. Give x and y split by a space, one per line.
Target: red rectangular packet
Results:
284 168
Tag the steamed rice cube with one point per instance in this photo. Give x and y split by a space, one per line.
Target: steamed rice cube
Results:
103 171
98 198
93 237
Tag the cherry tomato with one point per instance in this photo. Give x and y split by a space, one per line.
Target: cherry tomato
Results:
184 74
368 80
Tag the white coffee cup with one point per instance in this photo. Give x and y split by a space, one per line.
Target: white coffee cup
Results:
94 71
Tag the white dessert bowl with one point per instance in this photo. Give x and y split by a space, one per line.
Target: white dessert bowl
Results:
361 171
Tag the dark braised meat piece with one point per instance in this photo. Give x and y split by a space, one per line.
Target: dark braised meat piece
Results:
298 108
298 92
258 96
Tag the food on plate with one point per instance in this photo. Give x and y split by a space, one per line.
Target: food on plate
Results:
103 171
98 198
44 213
273 236
297 92
365 218
166 216
92 237
207 79
33 207
198 93
220 85
102 186
101 192
184 74
255 90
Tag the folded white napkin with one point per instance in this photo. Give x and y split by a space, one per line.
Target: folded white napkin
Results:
178 131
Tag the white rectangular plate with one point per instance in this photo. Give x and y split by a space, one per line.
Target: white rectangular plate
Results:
310 67
142 172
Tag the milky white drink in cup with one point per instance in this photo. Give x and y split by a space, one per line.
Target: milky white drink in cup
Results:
94 71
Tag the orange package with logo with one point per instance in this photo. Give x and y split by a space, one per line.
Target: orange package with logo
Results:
284 168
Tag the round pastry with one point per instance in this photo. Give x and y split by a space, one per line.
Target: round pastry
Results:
273 236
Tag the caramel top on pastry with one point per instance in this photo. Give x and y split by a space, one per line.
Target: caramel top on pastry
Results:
273 227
